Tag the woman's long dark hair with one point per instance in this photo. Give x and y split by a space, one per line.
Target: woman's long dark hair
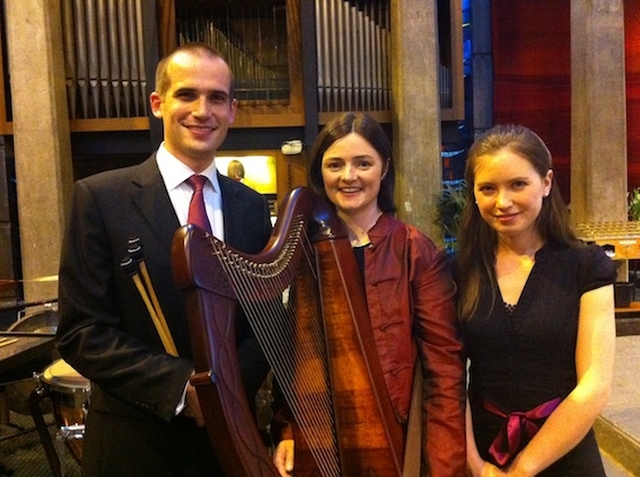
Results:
369 129
477 241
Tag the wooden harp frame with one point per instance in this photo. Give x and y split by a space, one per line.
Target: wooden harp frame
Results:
369 437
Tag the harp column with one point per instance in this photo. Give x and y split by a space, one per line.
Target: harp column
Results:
416 106
41 137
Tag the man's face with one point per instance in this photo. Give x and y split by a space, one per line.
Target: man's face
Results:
197 109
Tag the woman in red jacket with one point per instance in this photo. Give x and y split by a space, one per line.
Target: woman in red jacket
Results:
409 289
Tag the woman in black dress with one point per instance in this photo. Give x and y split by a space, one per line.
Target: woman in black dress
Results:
538 316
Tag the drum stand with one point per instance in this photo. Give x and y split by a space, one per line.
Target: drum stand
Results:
36 396
69 421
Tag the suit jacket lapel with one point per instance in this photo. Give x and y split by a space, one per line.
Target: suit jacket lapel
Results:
152 199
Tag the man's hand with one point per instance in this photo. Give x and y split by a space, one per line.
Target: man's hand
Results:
192 407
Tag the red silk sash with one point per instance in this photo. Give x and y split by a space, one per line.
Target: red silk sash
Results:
515 423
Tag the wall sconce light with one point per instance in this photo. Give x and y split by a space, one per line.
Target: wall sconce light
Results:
291 148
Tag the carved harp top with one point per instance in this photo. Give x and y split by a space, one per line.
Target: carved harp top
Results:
304 298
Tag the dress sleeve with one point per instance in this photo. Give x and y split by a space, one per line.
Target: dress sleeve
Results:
596 269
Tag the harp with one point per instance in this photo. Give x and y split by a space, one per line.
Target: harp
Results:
304 298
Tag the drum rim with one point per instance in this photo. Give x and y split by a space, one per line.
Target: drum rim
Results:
71 380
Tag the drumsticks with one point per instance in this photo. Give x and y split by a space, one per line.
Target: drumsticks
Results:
135 267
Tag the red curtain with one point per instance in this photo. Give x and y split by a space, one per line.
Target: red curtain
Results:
532 74
532 68
632 55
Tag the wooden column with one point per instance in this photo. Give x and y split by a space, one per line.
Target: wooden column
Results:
41 138
598 112
416 106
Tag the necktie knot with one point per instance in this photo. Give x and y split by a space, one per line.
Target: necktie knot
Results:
197 182
197 209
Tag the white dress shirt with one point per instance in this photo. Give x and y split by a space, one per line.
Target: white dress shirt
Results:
174 174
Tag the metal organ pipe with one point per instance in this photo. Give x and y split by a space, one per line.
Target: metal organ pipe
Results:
352 39
104 54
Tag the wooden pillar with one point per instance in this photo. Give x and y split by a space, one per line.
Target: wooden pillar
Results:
41 138
598 112
416 106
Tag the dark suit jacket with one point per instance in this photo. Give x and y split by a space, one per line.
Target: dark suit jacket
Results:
106 333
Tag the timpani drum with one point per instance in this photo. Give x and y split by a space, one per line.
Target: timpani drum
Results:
69 393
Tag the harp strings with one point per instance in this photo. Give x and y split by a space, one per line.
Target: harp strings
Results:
280 299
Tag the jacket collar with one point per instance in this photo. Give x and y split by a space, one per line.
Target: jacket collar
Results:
382 227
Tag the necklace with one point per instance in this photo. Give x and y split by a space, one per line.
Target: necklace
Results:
359 235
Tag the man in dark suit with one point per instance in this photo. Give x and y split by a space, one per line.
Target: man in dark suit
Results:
144 417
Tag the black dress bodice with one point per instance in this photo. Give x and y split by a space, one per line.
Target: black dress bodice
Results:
524 357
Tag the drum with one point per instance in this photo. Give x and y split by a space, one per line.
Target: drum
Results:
69 393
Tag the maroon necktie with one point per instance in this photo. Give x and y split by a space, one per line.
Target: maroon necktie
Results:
197 210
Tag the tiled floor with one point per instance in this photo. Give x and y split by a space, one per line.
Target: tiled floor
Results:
624 406
22 455
619 426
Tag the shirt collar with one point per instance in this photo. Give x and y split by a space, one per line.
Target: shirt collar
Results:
174 172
